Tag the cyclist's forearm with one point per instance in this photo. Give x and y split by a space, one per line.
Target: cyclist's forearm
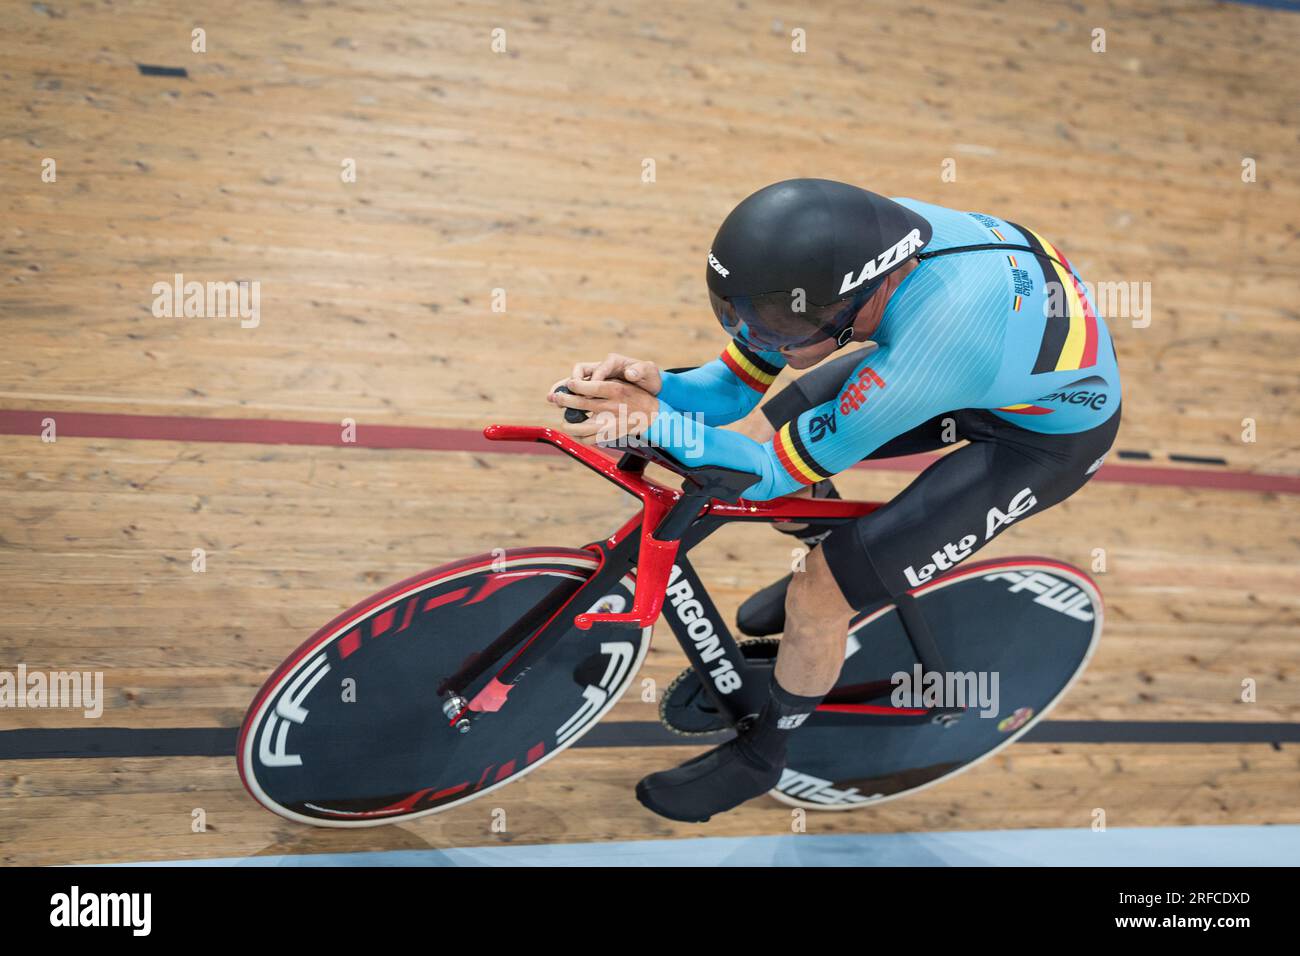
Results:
694 444
710 391
723 390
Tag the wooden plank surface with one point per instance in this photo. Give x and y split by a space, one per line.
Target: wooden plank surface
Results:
522 172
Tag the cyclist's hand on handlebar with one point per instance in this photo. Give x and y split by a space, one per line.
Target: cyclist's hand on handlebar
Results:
614 366
616 408
637 371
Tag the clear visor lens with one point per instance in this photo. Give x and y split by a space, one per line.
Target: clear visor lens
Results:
770 322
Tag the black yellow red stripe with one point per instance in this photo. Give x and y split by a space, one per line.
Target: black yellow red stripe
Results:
1070 335
749 367
1085 330
795 457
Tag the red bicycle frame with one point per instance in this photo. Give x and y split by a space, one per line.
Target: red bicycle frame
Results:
656 556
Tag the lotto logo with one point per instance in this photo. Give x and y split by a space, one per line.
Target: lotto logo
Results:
940 561
948 556
854 395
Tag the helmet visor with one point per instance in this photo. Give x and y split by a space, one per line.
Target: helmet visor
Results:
771 321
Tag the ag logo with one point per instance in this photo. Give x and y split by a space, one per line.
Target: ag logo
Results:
820 425
996 518
952 552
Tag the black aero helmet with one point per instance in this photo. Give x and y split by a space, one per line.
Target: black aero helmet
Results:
793 263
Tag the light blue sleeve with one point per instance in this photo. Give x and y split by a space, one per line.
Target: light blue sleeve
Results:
726 389
694 444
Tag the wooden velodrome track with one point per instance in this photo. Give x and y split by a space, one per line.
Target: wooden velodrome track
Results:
523 171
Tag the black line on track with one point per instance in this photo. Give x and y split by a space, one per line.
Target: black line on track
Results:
83 743
147 69
1136 455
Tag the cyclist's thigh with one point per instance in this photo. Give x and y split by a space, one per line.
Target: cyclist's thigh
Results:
960 503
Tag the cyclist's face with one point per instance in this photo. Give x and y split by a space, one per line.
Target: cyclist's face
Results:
806 356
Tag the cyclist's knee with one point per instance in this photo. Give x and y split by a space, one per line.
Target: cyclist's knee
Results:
814 597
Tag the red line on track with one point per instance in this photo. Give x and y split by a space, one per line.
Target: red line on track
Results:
259 431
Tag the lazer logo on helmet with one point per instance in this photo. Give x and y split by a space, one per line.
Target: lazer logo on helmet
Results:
718 267
885 261
950 554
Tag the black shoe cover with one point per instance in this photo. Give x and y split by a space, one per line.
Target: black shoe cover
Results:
713 782
763 613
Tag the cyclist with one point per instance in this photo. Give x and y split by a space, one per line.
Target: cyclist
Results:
983 333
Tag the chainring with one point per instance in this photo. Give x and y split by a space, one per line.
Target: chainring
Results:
687 708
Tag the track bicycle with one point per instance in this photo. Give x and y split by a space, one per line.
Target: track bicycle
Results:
457 681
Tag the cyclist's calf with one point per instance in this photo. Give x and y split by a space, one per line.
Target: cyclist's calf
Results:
816 621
